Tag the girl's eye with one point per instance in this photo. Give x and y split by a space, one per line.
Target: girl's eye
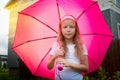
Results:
68 26
71 26
64 26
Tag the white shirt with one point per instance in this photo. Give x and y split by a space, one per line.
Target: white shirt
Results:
68 73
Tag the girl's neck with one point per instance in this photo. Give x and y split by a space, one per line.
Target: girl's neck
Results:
69 41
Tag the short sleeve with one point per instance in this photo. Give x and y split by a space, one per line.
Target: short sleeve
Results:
85 50
55 47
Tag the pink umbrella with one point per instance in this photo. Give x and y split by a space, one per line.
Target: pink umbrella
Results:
37 30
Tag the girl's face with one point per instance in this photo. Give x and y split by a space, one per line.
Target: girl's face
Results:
68 29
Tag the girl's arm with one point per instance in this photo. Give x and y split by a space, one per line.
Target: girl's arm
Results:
78 67
83 67
51 61
52 58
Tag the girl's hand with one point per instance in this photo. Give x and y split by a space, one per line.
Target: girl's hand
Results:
63 61
59 53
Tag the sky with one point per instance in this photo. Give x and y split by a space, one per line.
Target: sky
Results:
4 28
3 44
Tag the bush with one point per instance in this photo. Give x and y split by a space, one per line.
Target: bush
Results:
103 75
116 75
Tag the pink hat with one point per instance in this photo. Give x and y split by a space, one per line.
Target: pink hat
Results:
68 16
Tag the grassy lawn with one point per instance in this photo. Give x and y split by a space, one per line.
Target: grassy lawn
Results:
4 75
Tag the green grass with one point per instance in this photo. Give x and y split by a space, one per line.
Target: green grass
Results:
4 75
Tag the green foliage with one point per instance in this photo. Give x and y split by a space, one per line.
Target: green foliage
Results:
116 75
4 75
4 70
89 78
102 74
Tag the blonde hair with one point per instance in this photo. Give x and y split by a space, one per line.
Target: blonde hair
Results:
76 40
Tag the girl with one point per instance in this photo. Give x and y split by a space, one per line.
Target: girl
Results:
68 52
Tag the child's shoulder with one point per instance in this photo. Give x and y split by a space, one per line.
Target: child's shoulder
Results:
56 44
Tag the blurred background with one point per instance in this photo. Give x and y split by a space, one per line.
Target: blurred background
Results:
10 62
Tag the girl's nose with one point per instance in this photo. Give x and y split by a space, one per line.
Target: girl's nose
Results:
68 28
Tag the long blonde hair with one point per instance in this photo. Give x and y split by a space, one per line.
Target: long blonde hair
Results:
76 40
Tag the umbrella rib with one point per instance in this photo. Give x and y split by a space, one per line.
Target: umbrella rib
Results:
86 9
38 20
42 60
58 10
93 62
34 40
99 34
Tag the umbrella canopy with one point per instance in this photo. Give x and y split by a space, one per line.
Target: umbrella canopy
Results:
37 30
